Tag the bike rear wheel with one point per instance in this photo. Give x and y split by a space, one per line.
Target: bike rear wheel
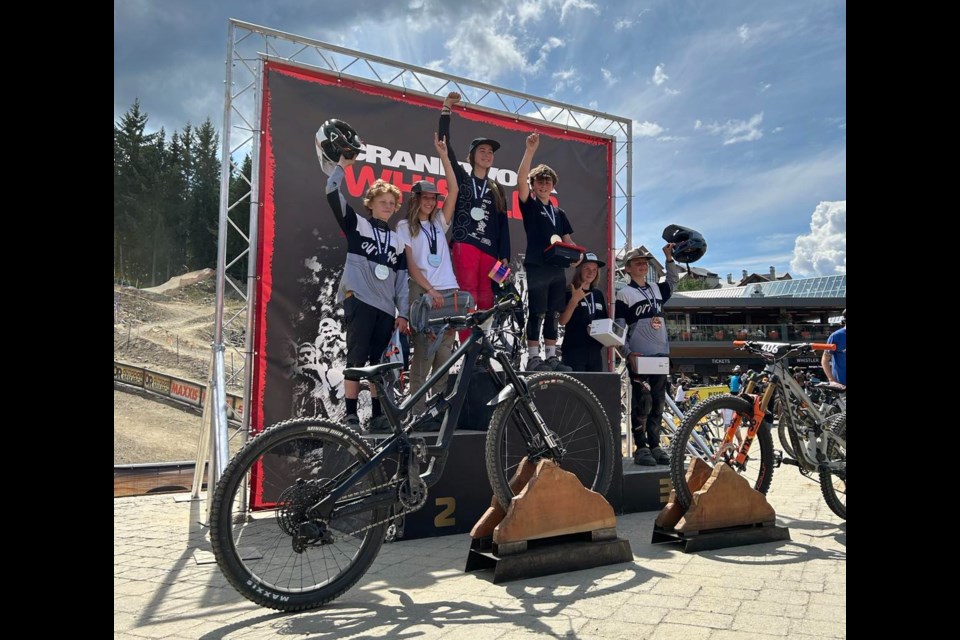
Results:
833 483
258 521
701 436
578 423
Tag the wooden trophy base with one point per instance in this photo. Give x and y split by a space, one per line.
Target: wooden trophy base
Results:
553 525
725 512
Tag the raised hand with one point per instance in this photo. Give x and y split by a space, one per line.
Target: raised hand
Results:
533 141
440 145
452 98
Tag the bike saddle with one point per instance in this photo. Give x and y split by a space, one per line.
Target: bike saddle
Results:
359 373
830 387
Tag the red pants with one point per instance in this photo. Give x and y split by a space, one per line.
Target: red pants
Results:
472 268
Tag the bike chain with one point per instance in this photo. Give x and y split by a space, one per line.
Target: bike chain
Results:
393 482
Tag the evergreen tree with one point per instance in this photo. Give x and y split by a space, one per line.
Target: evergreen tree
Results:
134 164
204 208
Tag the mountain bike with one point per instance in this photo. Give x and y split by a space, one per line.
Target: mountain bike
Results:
829 399
820 442
301 512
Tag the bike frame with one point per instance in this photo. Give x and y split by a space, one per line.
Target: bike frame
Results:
779 378
470 351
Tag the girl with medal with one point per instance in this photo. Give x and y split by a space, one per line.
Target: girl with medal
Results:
481 234
585 303
639 307
545 224
423 234
374 283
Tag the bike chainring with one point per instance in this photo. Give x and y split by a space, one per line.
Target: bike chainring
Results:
412 496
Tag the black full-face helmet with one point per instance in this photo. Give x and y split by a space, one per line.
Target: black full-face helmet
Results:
337 138
689 245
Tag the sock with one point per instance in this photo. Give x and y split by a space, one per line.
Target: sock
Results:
351 406
533 351
551 350
375 405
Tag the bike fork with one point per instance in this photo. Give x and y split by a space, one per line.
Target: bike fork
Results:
520 388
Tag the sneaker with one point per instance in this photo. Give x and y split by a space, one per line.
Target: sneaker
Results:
642 456
555 365
661 456
379 424
536 363
351 421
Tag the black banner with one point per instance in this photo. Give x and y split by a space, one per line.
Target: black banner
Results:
299 343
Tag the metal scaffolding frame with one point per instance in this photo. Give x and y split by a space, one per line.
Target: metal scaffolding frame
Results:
248 47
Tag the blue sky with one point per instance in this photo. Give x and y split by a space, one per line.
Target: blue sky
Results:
739 107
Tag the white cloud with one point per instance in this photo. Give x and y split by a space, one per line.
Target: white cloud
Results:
777 130
764 86
545 49
671 138
576 4
734 131
823 251
566 80
622 23
646 129
534 10
671 92
482 53
743 31
608 77
529 11
659 76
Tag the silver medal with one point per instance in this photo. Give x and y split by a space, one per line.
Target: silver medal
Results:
434 260
477 213
554 239
382 272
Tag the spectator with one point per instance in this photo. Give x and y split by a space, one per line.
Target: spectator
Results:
834 363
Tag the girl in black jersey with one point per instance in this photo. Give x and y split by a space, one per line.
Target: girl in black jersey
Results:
585 303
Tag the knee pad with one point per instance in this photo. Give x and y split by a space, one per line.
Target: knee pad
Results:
550 326
533 326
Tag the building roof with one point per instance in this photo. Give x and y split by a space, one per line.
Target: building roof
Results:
821 291
820 287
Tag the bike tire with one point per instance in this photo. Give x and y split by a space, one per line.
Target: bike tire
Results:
700 435
255 550
833 484
576 418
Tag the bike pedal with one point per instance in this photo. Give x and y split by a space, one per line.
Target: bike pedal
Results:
777 458
791 462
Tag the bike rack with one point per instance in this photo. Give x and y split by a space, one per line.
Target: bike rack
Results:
553 525
725 512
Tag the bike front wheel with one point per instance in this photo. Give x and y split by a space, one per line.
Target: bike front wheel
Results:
833 482
701 436
573 415
267 546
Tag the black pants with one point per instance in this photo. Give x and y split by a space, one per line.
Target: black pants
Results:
583 358
647 408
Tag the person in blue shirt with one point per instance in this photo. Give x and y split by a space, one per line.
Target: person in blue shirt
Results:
834 363
735 380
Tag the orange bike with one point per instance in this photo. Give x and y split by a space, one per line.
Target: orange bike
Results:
723 429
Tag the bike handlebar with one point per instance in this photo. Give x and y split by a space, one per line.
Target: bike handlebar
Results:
802 346
476 318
